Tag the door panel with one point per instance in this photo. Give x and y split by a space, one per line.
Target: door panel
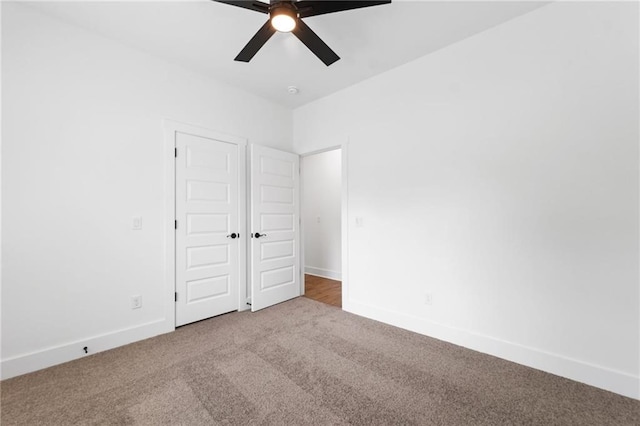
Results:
275 212
207 211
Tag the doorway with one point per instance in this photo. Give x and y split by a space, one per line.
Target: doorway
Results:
321 177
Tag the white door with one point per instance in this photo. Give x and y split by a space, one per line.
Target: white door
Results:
275 223
207 215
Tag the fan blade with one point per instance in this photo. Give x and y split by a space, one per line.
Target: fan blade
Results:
314 43
251 5
308 8
256 42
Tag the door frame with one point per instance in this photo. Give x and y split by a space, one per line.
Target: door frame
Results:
344 217
170 129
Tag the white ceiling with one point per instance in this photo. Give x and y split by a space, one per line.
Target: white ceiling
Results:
205 36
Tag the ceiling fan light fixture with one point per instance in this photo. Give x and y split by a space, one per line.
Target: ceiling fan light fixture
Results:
283 19
288 16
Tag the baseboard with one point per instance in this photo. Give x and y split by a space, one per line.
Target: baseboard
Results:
594 375
49 357
324 273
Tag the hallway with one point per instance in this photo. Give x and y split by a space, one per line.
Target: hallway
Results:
323 290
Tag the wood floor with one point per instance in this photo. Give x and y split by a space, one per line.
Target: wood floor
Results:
323 290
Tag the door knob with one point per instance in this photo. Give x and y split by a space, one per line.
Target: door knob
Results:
233 235
258 235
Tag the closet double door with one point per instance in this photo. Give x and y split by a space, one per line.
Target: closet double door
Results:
236 236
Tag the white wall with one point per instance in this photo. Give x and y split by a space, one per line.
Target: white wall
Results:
321 213
500 175
82 153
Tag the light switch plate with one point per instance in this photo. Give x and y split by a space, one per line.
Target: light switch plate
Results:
136 222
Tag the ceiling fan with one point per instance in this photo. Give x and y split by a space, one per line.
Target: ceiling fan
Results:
286 16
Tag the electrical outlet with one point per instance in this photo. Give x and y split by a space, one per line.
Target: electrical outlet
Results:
359 222
428 299
136 302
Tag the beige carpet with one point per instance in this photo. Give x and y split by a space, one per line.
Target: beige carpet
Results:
302 362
